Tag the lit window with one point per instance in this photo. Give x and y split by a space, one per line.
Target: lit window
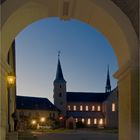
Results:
86 108
95 121
74 107
89 121
76 119
81 107
99 108
101 121
83 120
113 107
68 107
93 108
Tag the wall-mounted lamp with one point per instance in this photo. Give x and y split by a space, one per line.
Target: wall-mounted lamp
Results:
11 83
11 79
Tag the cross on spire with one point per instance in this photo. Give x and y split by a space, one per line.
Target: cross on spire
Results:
59 74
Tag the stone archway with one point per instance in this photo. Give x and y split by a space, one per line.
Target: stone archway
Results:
103 15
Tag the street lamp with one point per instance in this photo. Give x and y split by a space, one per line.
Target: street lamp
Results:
11 83
42 119
33 122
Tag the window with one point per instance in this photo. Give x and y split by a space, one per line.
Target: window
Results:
95 121
74 107
76 119
69 107
93 108
60 94
99 108
83 120
81 107
113 107
86 108
101 121
89 121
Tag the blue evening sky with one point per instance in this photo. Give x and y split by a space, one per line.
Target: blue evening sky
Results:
85 54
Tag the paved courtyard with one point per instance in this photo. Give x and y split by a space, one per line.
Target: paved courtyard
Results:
79 135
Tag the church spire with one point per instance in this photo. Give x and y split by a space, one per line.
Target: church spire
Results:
59 74
108 85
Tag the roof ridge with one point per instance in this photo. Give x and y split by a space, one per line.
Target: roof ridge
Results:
32 97
84 92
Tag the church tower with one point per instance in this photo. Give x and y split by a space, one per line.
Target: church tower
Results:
60 89
108 85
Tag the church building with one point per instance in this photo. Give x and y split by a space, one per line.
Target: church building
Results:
92 109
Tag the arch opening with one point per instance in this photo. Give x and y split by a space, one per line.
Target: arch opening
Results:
116 27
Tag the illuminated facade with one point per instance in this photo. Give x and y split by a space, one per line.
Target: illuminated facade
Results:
92 109
34 111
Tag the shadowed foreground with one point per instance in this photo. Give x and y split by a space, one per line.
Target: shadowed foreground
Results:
79 135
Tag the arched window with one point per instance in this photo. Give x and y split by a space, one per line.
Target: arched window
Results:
74 107
101 121
99 108
69 107
93 108
81 108
95 121
86 108
113 107
76 119
83 120
89 121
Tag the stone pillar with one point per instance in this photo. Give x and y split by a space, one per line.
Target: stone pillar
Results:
4 70
128 84
3 101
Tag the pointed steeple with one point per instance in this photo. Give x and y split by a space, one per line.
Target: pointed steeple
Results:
108 85
59 74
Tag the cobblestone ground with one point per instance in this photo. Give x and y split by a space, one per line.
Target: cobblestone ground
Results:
80 135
